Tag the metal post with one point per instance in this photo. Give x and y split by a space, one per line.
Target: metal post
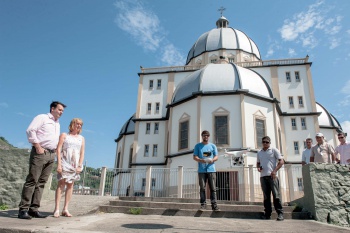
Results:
148 181
102 182
180 182
82 188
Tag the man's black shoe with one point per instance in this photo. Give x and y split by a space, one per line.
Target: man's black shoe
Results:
36 214
215 208
23 214
265 217
202 208
280 217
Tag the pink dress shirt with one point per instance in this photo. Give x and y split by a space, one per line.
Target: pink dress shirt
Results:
344 152
45 130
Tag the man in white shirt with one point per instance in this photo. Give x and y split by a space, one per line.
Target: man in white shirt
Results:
342 151
305 158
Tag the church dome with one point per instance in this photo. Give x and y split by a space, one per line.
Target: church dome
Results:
223 37
221 78
326 119
128 128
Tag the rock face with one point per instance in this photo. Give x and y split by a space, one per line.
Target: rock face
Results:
13 171
327 192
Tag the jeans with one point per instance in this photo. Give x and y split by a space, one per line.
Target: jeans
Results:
211 178
40 168
268 186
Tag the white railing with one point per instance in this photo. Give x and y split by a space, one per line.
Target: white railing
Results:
235 184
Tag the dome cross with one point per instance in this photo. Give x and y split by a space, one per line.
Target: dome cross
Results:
221 9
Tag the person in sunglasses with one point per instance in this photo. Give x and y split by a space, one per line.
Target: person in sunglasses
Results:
206 153
343 149
269 161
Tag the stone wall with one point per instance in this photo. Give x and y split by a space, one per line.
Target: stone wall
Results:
327 193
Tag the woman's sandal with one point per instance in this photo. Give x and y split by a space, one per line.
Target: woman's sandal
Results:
66 213
56 214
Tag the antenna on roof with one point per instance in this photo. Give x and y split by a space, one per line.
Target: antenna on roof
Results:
221 10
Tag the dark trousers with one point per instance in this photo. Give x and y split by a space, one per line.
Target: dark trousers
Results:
268 186
209 177
40 168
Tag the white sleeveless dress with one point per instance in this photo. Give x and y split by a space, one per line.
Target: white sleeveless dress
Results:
70 158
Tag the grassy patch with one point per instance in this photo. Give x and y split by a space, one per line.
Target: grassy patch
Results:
135 211
3 207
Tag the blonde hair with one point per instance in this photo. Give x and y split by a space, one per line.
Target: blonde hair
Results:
72 123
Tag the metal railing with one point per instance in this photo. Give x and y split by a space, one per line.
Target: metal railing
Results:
235 184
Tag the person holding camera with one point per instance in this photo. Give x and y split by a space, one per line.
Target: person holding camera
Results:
269 161
206 153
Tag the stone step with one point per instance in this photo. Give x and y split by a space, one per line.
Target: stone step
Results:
196 213
192 206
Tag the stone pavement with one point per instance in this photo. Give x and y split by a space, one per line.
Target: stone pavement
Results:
87 220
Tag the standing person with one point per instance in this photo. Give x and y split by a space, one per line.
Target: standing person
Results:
305 158
343 149
322 152
269 161
43 133
70 157
206 153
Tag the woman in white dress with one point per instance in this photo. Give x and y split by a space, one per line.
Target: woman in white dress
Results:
70 157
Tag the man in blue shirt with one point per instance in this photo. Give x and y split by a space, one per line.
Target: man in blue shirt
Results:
206 153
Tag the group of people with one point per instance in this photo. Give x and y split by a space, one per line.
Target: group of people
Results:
47 143
323 152
269 161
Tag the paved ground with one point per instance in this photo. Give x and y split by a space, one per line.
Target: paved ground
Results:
85 221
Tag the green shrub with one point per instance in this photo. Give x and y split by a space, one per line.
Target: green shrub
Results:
3 207
135 211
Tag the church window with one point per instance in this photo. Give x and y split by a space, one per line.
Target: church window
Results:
157 108
149 108
300 101
300 184
304 144
291 101
260 131
150 85
130 156
297 76
148 128
155 150
296 148
156 128
213 60
153 183
294 124
118 160
231 59
221 130
183 140
146 152
288 77
159 83
303 123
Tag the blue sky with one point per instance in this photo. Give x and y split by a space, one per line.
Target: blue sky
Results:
87 53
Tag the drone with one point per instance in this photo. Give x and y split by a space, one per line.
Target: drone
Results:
236 157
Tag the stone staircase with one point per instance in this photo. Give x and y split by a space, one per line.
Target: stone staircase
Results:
189 207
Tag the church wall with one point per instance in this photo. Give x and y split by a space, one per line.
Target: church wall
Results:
151 139
153 96
225 104
185 160
187 110
299 135
128 143
294 89
262 110
265 72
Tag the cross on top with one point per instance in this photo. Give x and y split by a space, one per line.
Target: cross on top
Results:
221 10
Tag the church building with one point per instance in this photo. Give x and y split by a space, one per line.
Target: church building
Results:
225 87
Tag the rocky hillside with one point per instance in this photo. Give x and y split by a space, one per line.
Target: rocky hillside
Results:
13 171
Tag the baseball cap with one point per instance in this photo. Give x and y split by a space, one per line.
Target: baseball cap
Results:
319 135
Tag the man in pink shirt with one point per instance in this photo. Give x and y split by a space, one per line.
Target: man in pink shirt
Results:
343 150
43 133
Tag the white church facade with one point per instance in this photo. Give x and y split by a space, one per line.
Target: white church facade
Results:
226 88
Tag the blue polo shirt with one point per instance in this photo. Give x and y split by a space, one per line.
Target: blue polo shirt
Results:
202 151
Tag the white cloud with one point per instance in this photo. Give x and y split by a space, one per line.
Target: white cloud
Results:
346 127
3 105
270 52
291 52
306 26
171 56
345 101
346 88
22 114
145 28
